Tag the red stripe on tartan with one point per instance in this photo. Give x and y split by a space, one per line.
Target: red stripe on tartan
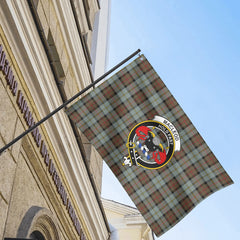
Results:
75 117
204 191
187 204
184 121
170 216
197 140
224 179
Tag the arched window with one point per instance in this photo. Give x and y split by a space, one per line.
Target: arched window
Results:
36 235
38 224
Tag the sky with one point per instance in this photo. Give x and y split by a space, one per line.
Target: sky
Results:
194 46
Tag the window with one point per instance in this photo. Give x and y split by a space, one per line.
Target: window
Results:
87 13
38 224
36 235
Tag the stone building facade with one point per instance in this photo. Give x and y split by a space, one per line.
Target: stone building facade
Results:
50 180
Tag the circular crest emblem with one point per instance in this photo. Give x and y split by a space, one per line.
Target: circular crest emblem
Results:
151 144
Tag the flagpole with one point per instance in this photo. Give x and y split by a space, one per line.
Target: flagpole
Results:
67 102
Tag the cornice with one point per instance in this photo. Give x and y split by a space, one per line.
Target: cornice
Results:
119 208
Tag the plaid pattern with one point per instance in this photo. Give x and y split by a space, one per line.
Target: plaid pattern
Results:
108 113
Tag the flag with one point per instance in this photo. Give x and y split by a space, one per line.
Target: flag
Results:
150 144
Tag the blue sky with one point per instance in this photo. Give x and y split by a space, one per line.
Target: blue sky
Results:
194 47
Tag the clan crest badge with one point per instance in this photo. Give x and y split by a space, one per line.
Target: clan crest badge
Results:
152 143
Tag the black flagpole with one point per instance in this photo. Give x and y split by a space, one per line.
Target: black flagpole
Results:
68 101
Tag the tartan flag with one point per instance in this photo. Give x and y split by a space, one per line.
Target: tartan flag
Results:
150 144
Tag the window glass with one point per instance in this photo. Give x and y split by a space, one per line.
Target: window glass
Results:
36 235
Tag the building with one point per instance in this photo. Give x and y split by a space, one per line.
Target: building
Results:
50 180
126 222
99 48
